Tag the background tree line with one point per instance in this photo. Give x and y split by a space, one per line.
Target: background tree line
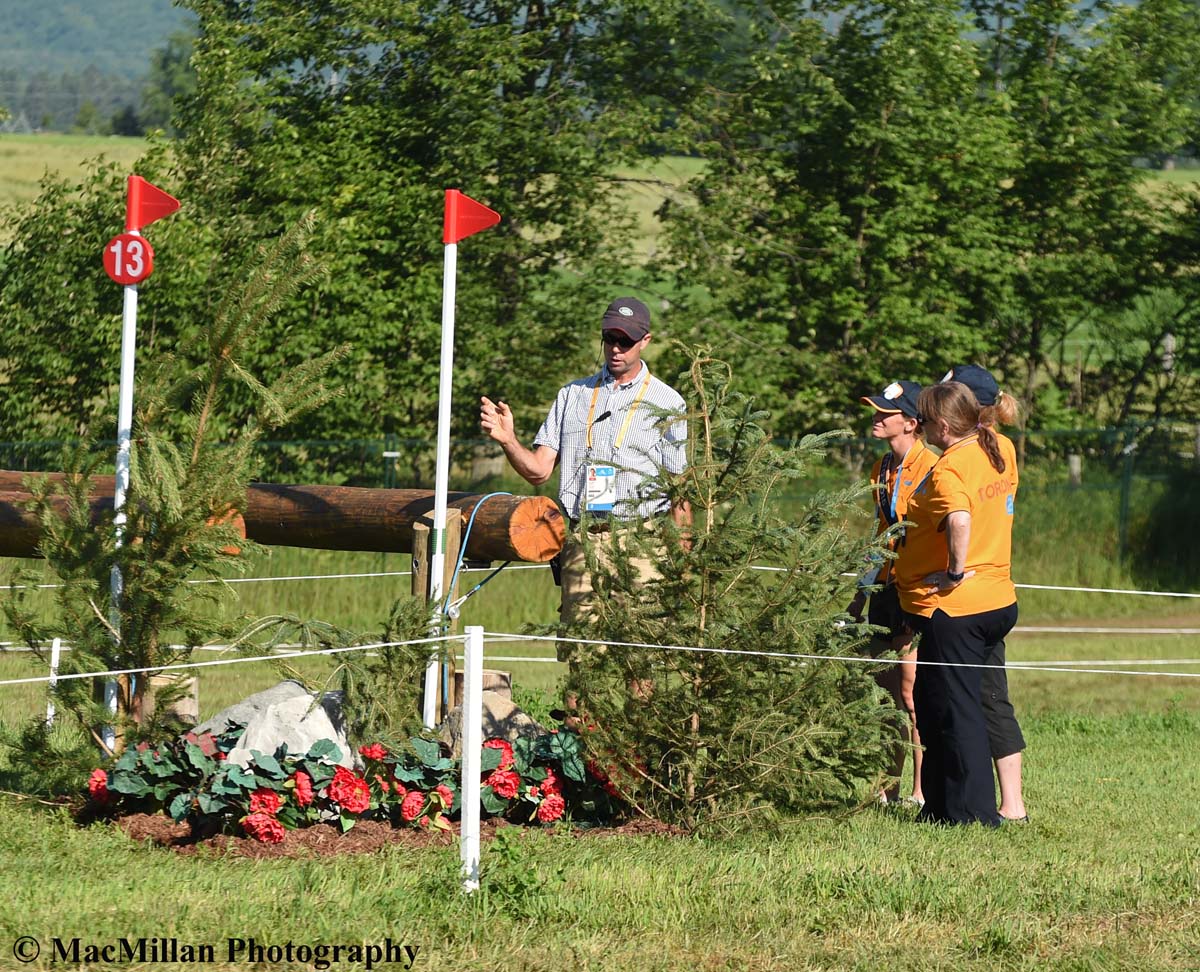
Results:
884 188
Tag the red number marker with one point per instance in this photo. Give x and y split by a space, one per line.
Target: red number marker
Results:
128 258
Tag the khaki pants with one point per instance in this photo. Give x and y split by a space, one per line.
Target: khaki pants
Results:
577 591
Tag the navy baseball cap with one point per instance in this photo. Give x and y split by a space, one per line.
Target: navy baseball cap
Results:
899 396
629 316
983 386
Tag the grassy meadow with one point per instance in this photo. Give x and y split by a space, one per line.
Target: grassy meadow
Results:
1105 877
25 159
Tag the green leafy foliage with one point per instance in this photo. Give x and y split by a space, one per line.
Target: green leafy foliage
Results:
1087 89
381 690
45 760
191 778
884 189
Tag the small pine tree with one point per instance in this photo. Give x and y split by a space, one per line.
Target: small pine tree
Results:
741 729
182 509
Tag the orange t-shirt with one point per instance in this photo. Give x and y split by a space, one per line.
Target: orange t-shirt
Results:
962 479
898 484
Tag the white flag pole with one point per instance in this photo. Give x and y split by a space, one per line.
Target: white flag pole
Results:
121 488
55 652
437 540
472 748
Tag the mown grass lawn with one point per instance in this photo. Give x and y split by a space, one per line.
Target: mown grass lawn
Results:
1107 876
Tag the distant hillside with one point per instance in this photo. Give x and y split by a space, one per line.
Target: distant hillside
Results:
67 36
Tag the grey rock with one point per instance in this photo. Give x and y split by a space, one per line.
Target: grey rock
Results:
501 720
284 713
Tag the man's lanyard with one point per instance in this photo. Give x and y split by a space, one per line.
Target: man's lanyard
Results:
628 414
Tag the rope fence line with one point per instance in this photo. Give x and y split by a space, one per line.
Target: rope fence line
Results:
240 660
853 659
502 637
286 578
1069 629
408 573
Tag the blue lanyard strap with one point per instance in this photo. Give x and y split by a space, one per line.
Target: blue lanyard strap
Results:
889 514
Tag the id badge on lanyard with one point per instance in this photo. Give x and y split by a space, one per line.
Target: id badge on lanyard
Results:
600 483
600 488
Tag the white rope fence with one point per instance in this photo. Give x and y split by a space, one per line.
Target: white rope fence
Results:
1071 667
240 660
289 578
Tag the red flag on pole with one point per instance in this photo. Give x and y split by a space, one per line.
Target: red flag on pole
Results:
144 203
465 216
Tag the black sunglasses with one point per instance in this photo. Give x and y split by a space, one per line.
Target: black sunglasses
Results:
617 338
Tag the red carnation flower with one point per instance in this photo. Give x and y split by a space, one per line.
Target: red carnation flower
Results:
383 784
506 751
349 791
445 793
400 789
412 805
263 827
504 783
265 801
97 785
374 751
304 788
551 784
551 808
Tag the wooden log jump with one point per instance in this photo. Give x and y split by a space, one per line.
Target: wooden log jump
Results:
525 528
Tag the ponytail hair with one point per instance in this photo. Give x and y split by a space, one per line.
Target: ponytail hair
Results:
1004 411
991 447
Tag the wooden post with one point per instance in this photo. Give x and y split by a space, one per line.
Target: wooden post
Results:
1075 469
422 530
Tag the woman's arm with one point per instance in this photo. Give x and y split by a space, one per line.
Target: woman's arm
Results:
958 539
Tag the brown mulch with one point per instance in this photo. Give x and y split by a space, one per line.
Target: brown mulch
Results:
327 840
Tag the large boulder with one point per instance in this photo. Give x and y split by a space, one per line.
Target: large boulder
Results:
501 720
285 713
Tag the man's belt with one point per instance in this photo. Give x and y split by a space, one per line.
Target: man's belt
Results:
601 522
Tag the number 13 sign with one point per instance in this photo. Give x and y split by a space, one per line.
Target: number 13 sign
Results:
128 258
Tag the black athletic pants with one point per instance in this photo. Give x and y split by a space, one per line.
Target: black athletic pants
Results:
956 775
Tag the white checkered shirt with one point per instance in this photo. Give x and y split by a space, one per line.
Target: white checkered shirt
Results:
645 450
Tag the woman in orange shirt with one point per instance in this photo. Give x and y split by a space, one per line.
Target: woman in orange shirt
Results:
1004 732
896 474
955 585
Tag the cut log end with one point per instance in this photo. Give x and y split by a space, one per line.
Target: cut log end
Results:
536 530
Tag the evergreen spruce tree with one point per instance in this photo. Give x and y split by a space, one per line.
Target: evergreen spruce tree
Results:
182 508
751 715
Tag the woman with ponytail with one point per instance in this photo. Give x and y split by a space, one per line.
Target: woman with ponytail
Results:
1004 732
956 589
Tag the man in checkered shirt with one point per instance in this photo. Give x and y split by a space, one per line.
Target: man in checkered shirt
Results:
605 434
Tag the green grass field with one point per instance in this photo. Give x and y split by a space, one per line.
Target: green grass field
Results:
1106 877
25 159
